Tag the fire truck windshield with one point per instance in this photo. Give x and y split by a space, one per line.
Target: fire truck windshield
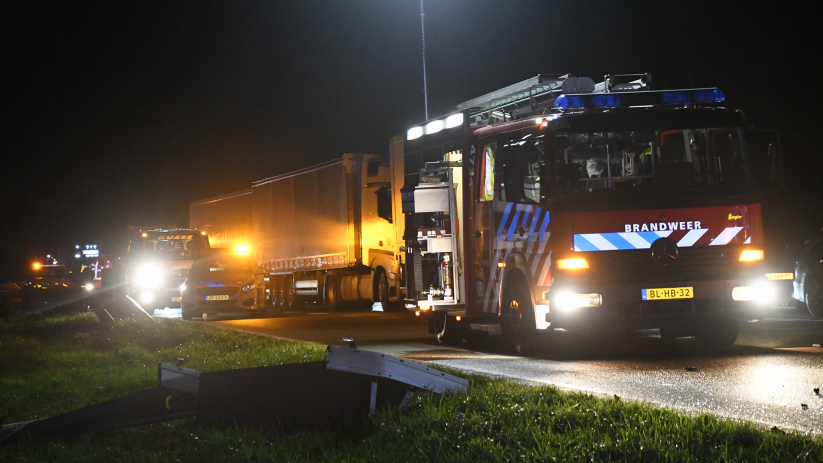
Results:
693 159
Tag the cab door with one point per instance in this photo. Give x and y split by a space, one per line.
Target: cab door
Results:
480 200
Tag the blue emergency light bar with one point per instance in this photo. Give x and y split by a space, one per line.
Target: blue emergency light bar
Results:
614 100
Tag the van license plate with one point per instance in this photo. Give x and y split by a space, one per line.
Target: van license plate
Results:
175 299
220 297
656 294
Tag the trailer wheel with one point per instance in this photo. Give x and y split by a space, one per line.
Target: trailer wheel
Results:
331 292
292 300
276 297
517 315
381 290
717 333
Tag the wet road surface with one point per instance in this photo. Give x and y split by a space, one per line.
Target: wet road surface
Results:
766 377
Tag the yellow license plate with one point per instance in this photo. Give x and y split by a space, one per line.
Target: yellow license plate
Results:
220 297
656 294
780 276
175 299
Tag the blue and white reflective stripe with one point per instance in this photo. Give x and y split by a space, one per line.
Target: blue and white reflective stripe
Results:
691 237
643 240
725 236
616 241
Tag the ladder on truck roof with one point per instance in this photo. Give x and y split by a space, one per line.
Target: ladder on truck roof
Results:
509 102
539 93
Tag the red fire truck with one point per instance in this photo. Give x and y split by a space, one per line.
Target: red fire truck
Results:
560 203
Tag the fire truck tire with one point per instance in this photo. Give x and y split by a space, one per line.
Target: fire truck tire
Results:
331 292
452 331
517 316
814 294
718 333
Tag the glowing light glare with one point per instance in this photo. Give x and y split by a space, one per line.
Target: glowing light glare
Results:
751 255
762 292
145 235
182 287
36 265
203 233
570 301
458 318
576 263
146 298
243 249
148 276
414 133
88 286
540 313
434 127
455 120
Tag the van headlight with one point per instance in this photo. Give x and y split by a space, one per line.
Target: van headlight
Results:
247 288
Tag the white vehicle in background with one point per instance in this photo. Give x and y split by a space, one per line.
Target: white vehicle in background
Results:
221 282
158 262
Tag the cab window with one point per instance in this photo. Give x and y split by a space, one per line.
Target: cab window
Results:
523 161
487 172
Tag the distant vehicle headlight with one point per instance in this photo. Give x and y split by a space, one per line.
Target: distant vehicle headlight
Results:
88 286
148 276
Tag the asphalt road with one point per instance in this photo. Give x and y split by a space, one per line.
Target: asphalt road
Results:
766 377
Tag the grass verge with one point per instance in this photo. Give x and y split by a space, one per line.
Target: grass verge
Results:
49 365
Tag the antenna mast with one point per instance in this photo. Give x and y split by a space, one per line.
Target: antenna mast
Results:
423 35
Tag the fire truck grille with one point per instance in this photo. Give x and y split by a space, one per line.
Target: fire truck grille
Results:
692 264
230 291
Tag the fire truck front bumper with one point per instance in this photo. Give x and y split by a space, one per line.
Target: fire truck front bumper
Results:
580 306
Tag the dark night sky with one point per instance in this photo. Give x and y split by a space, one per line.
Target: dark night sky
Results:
124 112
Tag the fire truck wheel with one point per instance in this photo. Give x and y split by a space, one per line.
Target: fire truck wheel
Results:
331 292
517 320
452 332
717 333
814 294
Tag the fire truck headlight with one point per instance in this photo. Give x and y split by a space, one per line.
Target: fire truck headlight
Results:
88 286
751 255
762 292
577 263
571 301
148 276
